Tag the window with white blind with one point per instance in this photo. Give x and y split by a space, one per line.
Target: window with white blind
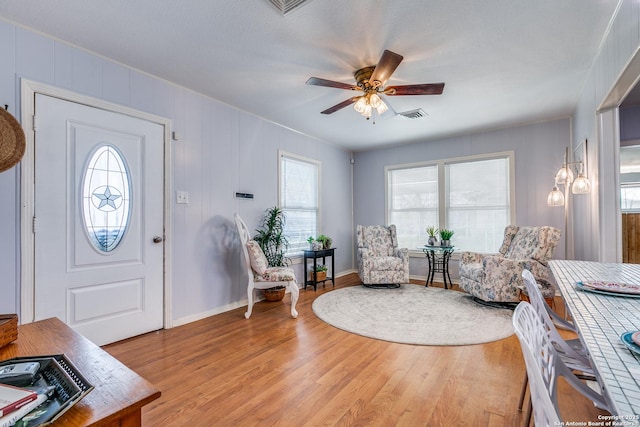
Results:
413 202
471 196
299 199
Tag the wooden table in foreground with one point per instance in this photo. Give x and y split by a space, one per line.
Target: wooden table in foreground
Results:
600 320
119 393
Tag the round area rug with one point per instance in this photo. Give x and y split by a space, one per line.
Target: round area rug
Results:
413 314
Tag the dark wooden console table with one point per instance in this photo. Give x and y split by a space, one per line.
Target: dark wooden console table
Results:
322 253
119 393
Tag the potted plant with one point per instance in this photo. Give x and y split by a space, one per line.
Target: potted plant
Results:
445 237
432 231
270 236
325 240
311 241
314 245
319 274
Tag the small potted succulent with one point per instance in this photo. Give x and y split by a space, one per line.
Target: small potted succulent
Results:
432 231
325 240
319 274
314 244
445 237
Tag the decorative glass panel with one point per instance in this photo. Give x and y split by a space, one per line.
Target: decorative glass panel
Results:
106 198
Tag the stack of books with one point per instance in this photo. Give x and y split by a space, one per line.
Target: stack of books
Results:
17 402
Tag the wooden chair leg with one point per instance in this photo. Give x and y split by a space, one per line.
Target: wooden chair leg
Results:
523 392
527 416
526 421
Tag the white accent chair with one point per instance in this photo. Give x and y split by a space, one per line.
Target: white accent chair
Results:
260 275
381 263
544 367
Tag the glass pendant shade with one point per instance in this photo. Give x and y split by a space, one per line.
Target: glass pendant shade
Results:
564 175
581 185
555 198
382 108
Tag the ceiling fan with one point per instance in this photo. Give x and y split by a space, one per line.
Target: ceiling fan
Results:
371 81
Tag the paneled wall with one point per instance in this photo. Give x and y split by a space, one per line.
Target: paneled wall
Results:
220 150
618 47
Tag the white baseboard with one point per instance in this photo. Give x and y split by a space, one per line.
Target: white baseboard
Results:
203 315
218 310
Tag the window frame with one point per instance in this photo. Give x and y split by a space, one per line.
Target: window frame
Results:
443 184
286 154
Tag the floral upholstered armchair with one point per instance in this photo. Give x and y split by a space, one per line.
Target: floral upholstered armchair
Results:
498 277
380 262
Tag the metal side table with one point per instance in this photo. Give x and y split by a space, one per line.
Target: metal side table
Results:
438 257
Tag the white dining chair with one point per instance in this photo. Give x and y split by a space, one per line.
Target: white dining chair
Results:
544 367
572 352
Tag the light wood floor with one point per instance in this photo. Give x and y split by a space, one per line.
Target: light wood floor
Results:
272 370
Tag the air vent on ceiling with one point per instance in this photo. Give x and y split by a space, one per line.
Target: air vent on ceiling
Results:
286 6
414 114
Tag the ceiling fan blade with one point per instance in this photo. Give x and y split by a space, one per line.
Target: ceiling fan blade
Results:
330 83
423 89
387 64
340 106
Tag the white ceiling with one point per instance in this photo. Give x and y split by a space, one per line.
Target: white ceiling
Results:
504 62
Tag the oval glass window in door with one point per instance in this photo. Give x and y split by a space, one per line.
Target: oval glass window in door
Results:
106 198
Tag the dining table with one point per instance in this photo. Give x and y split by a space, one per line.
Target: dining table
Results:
601 319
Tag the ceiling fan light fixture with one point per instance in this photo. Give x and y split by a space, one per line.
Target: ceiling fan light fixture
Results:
374 100
382 108
360 104
367 111
372 80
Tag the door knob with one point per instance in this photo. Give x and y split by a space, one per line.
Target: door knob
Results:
157 239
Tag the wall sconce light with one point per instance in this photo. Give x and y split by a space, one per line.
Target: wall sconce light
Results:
565 177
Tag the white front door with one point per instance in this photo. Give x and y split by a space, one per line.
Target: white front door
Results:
99 208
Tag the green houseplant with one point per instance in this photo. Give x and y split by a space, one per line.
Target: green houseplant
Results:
319 274
432 231
270 236
445 237
325 240
314 245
